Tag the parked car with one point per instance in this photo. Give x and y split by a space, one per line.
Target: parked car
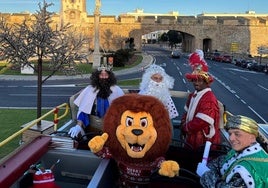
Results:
245 63
226 58
257 67
238 61
208 55
216 56
175 54
265 70
251 65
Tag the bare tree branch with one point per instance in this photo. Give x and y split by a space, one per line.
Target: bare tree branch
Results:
34 38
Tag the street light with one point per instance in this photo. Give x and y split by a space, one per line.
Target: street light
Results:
96 53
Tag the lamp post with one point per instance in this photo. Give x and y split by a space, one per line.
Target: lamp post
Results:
96 53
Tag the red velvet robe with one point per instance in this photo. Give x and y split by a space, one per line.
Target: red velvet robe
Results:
202 121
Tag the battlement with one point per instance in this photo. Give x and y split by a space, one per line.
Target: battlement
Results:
247 30
184 20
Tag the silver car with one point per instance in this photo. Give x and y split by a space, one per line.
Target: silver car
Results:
175 54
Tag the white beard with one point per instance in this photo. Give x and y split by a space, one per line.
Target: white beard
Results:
158 90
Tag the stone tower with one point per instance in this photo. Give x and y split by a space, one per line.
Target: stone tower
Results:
73 11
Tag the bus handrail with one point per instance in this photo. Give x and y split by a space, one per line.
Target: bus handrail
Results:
56 119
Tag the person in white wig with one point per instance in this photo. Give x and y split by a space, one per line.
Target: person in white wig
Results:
156 82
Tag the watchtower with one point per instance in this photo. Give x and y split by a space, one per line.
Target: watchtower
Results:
73 11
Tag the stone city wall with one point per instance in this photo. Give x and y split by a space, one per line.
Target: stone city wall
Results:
248 32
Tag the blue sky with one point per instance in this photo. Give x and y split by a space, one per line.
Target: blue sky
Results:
116 7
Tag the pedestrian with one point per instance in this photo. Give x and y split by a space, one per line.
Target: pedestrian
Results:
95 99
245 165
200 122
156 82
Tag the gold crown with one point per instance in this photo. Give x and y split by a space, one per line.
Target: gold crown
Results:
241 122
203 74
197 73
105 67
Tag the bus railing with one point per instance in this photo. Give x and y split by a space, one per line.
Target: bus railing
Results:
34 122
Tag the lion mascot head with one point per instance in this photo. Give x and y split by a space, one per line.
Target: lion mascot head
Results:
137 134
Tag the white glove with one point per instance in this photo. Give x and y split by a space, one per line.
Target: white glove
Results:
201 169
74 131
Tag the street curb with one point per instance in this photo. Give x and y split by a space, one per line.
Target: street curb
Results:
146 61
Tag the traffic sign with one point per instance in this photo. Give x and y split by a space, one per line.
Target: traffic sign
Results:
262 50
234 47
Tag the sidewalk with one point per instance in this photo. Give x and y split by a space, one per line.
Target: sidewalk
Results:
146 61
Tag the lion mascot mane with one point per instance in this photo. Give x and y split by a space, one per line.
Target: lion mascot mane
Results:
137 134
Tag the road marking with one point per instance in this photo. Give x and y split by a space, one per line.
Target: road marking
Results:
240 70
233 72
237 96
243 101
257 114
262 87
34 95
47 86
244 78
44 86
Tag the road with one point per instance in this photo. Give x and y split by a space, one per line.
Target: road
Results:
241 91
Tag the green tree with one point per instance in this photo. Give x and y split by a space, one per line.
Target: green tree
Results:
174 37
35 38
164 37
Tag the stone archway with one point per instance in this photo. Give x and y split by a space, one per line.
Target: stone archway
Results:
188 43
136 34
207 45
188 40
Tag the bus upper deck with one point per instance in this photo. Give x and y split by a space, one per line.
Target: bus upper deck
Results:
79 167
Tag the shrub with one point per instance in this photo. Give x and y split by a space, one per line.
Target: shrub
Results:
121 57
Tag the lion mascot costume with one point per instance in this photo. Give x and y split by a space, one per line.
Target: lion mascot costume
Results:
136 134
